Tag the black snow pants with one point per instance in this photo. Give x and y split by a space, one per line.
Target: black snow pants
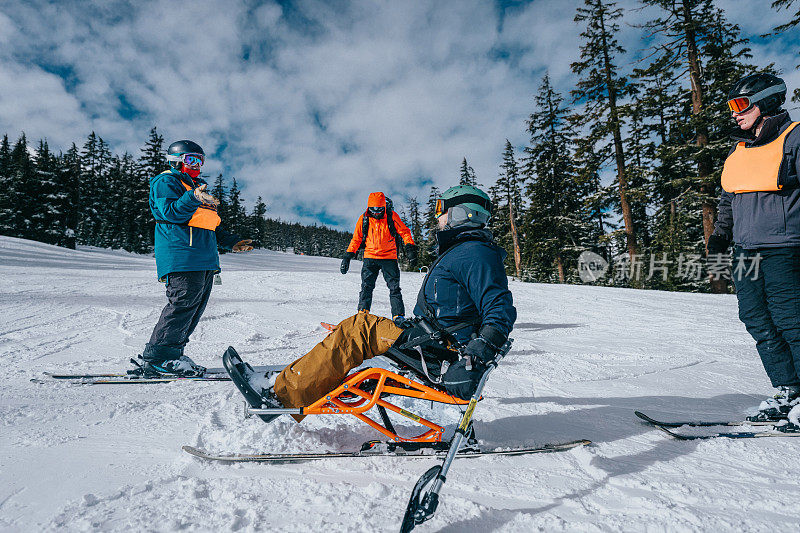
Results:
187 295
768 288
391 273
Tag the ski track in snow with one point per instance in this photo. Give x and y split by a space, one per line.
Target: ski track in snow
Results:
85 458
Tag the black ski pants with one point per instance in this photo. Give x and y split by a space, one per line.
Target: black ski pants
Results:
768 288
187 296
391 273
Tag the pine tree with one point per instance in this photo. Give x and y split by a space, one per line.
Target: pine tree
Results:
602 87
257 229
556 222
235 220
510 206
415 219
467 175
110 233
427 248
697 45
25 191
69 179
151 162
794 21
51 216
7 185
95 158
219 192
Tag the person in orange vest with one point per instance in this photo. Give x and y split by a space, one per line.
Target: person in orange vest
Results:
759 212
377 230
187 235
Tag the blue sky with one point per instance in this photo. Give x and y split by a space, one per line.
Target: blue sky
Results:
310 104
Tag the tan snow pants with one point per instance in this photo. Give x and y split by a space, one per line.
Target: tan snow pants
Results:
360 337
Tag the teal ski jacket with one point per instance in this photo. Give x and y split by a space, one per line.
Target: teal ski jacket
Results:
180 248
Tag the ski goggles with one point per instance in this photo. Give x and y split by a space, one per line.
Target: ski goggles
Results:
192 160
377 211
443 204
742 104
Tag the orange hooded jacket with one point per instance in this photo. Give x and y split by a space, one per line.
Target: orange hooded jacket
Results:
380 243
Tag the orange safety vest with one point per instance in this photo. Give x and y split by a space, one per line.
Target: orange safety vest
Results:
756 168
204 217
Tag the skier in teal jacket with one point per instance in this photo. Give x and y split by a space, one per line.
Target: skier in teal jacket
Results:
186 239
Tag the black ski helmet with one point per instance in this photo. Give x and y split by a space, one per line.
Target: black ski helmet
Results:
766 91
178 148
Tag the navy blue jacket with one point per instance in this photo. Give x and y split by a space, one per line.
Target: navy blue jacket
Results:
180 248
469 284
764 219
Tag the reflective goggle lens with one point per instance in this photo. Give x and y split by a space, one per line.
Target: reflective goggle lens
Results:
193 160
737 105
439 207
377 210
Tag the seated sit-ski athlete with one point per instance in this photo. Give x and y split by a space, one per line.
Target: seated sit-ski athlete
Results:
465 292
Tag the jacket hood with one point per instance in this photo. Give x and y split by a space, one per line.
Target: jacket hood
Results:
376 199
447 238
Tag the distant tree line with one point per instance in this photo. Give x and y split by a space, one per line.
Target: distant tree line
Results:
660 124
90 196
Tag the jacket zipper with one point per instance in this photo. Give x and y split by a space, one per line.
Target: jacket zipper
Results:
190 235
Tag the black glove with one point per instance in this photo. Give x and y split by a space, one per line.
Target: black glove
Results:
718 244
411 253
346 262
480 351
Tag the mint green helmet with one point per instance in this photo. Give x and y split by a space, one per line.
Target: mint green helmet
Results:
465 206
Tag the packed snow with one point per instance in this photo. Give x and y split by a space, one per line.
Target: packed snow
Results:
108 457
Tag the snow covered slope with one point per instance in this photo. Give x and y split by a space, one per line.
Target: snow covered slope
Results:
108 457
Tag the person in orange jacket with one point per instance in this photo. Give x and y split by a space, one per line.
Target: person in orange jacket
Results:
377 230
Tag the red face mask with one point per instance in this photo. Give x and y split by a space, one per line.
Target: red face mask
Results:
193 172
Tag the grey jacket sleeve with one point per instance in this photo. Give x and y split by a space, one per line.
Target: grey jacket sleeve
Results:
724 225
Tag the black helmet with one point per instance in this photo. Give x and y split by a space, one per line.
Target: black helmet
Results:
766 91
178 148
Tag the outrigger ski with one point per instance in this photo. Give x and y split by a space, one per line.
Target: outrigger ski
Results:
677 424
770 430
732 434
383 450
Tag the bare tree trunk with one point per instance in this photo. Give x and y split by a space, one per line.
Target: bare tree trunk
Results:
562 277
619 154
515 238
703 170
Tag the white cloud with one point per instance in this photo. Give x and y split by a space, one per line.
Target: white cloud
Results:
310 106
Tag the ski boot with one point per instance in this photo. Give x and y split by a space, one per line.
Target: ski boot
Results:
793 424
777 407
182 367
257 389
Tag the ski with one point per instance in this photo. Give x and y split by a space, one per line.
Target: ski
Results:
677 424
211 374
329 327
419 454
730 435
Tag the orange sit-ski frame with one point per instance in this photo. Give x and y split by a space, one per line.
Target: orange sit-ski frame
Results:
365 389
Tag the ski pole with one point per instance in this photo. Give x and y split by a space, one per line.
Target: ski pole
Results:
421 507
